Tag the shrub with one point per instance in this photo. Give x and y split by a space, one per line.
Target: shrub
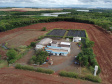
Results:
99 70
11 56
68 74
39 70
91 69
40 37
30 68
44 29
93 78
0 57
32 44
75 75
47 71
24 67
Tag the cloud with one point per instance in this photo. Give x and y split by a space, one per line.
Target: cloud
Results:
57 3
85 1
23 1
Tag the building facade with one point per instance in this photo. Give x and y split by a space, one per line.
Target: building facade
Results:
58 48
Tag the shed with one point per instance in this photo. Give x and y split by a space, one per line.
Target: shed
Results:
39 47
45 41
76 39
65 43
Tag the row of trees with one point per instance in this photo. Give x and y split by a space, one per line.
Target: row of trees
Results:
87 57
18 21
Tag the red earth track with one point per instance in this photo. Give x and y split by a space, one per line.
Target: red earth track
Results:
102 48
14 76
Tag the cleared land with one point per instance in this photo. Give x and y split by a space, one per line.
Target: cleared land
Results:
102 48
22 37
26 9
14 76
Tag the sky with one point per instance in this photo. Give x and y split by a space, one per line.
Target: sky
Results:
57 3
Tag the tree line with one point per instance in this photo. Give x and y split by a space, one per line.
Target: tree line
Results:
11 21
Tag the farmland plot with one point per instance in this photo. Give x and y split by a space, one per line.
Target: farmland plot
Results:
57 32
16 39
74 33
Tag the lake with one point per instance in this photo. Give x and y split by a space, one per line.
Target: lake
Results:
54 14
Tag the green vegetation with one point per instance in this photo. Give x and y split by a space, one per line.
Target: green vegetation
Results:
3 63
40 57
65 34
101 18
44 29
86 57
11 56
30 68
47 71
16 53
40 37
98 17
33 44
75 75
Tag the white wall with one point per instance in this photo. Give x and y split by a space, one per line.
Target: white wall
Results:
54 45
39 47
66 48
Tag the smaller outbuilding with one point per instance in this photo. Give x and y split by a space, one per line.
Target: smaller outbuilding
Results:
45 41
42 44
76 39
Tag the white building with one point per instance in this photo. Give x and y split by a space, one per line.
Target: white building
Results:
76 39
83 10
42 44
58 48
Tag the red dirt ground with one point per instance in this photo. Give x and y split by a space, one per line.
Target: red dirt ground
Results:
14 76
102 48
21 37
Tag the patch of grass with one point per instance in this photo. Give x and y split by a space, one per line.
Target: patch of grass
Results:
83 77
3 63
65 34
47 71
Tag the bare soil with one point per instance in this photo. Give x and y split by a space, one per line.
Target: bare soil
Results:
22 37
14 76
102 48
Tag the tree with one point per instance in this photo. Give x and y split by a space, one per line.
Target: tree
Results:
40 57
44 29
33 44
11 55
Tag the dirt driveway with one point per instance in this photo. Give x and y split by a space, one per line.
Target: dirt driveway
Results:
26 58
62 62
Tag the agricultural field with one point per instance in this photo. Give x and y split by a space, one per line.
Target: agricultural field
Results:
18 38
74 33
57 32
70 33
14 76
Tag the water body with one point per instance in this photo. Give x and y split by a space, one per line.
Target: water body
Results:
54 14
